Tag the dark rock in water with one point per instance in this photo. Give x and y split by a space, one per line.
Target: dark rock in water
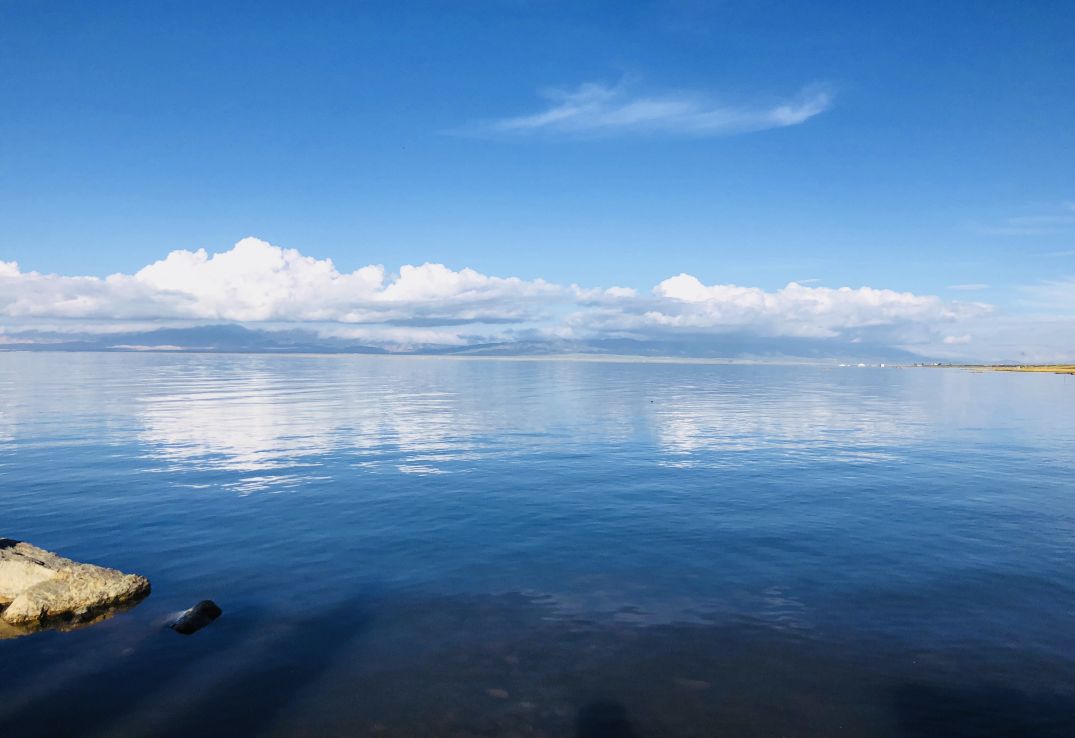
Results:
197 617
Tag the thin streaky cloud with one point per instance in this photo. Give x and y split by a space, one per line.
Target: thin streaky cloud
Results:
1043 220
1018 231
1059 220
968 287
1054 295
595 109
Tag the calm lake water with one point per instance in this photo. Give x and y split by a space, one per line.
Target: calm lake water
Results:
435 547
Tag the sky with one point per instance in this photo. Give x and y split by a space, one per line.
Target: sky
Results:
409 172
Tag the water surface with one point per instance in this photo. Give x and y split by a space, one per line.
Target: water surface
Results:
407 546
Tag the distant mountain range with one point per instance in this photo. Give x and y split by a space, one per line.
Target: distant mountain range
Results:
230 338
225 338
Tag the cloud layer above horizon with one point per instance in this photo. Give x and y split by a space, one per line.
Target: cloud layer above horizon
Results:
257 283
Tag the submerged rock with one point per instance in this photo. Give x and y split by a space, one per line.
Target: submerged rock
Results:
38 588
197 617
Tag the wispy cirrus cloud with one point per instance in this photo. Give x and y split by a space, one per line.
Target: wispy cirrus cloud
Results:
1050 220
973 287
1053 295
596 109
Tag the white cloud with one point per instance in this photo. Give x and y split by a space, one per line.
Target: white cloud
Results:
256 282
598 296
684 303
1037 338
597 109
968 287
957 340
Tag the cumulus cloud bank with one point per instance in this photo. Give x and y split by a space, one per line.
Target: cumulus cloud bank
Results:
683 302
257 283
597 109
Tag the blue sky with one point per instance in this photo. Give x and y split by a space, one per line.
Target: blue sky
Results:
942 153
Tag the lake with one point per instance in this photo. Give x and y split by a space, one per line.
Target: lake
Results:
409 546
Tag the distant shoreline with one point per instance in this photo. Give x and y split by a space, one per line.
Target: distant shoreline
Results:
1047 368
568 357
1031 368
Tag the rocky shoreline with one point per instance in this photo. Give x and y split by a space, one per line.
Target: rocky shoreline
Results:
40 589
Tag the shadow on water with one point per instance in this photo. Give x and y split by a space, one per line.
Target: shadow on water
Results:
213 683
402 666
934 711
603 719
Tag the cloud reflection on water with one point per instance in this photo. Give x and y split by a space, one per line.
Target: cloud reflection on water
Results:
270 421
277 421
706 427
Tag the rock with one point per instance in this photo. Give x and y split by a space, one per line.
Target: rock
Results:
197 617
38 588
10 631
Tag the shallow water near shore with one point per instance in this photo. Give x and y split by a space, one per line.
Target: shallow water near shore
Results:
412 546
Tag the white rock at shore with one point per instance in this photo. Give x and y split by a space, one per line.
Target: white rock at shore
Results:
38 587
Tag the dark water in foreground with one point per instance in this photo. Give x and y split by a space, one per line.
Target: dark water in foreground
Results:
423 547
